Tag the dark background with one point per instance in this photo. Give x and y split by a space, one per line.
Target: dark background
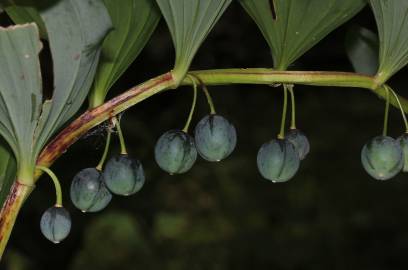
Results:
331 215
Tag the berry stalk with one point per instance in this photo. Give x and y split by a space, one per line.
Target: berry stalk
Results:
284 111
193 105
105 150
57 185
293 106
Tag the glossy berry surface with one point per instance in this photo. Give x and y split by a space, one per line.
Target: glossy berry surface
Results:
124 175
88 191
175 152
278 160
300 141
403 142
55 224
215 137
382 157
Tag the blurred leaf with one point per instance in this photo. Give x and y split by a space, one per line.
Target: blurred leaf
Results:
170 225
190 21
16 260
392 23
20 89
362 49
291 27
133 23
112 240
26 13
76 30
7 170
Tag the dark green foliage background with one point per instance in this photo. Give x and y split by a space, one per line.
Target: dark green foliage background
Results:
332 215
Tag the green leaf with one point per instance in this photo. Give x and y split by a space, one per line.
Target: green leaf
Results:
76 30
362 47
291 27
25 12
392 23
20 89
133 23
7 170
190 21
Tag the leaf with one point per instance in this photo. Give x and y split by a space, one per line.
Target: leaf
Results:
24 12
392 23
76 30
7 170
362 47
133 23
190 21
20 88
292 27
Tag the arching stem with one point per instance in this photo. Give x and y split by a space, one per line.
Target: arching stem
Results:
54 178
116 123
193 105
387 108
281 134
404 117
105 150
293 106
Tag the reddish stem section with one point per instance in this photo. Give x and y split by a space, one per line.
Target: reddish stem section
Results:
9 212
94 117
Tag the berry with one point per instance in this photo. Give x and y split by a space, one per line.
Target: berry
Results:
382 157
55 224
88 191
278 160
124 175
215 137
300 141
175 152
403 141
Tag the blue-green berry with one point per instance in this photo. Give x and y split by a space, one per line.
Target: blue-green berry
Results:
175 152
215 137
300 141
88 191
403 142
124 175
55 224
382 157
278 160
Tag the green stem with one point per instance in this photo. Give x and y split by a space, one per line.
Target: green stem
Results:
94 117
193 105
54 178
404 117
281 134
387 109
116 123
105 150
293 106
